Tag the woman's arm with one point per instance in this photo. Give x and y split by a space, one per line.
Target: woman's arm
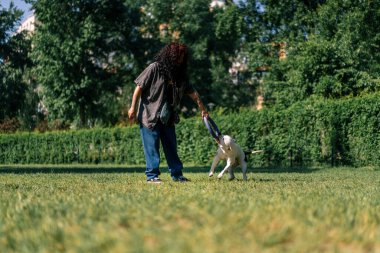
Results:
135 98
195 97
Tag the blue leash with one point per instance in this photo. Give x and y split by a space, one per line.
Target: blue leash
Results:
212 128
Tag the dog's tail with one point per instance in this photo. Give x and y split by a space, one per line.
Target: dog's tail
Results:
255 151
252 152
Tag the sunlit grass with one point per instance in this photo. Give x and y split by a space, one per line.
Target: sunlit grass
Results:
112 209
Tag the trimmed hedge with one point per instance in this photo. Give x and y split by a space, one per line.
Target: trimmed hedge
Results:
108 146
313 132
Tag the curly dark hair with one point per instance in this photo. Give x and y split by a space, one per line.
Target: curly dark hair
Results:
173 62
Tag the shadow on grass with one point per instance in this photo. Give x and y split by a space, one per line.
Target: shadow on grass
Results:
257 169
285 170
81 169
68 169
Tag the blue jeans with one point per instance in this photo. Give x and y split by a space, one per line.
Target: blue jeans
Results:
151 141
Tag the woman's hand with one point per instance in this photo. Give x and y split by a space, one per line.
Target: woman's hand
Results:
204 114
131 115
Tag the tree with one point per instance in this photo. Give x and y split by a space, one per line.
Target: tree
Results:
213 37
14 64
345 50
86 59
82 50
332 48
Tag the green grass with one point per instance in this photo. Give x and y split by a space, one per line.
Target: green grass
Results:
112 209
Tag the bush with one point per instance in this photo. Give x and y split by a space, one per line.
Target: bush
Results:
9 125
332 132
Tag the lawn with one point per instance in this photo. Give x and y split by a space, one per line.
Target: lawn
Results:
113 209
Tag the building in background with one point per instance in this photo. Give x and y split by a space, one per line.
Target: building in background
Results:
217 4
28 24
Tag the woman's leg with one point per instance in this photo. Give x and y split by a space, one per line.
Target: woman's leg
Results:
169 144
151 143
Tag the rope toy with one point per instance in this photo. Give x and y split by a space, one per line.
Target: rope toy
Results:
212 128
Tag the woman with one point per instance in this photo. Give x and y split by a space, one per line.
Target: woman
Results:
161 87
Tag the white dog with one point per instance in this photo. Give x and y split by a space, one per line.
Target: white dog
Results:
230 151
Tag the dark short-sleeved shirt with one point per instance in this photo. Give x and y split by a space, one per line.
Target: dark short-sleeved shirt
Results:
153 95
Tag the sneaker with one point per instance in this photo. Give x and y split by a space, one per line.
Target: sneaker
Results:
155 180
181 179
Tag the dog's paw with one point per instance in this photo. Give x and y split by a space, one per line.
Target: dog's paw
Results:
220 175
210 174
231 178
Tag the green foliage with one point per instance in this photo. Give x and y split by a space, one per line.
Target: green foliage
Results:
311 132
113 209
213 38
80 50
9 15
16 86
116 146
12 91
84 87
87 54
338 56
